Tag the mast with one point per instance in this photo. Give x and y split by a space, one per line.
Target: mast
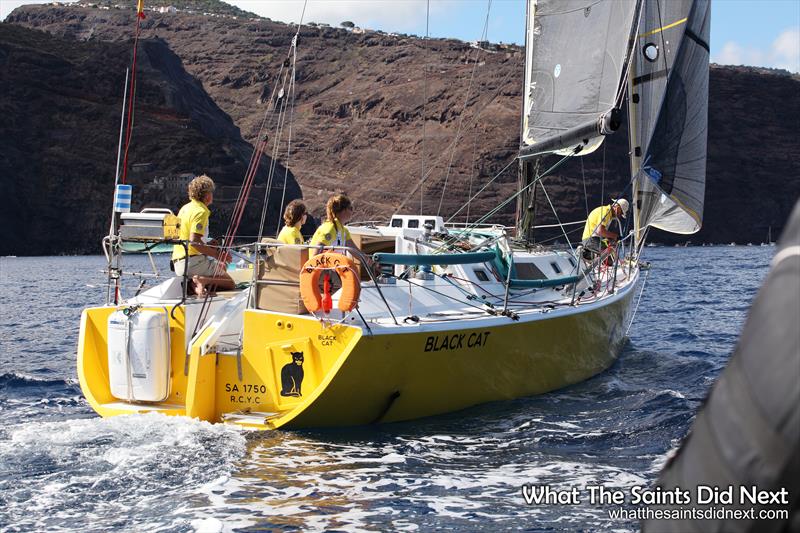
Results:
525 215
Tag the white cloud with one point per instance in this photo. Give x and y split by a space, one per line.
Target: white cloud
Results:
394 15
783 53
786 50
7 6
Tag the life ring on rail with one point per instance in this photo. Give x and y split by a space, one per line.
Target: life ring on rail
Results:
313 270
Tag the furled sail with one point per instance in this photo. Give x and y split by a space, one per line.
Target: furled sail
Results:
576 52
669 115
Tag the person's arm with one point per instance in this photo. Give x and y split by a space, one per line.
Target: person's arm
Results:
196 241
606 234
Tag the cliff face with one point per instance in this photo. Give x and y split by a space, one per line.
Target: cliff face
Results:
61 102
364 101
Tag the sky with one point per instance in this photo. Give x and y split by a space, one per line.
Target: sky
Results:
762 33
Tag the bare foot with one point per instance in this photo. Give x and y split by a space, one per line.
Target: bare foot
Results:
199 289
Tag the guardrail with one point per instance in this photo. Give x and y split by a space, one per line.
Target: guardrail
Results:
355 252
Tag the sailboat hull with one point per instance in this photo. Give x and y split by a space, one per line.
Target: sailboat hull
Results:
295 372
390 378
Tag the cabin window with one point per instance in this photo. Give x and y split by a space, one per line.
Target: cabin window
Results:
528 271
555 266
481 274
413 223
397 222
432 222
572 261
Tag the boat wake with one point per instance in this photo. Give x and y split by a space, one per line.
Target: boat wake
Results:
131 473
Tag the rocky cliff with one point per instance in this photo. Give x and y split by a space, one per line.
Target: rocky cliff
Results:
61 102
375 112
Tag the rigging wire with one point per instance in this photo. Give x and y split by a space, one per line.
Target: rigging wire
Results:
292 97
472 172
129 129
472 227
255 160
602 178
636 308
281 120
261 145
482 189
560 225
424 98
484 37
585 196
481 109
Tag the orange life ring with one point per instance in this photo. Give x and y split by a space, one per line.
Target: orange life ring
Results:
344 267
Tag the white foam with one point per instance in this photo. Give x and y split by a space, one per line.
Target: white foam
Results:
207 525
66 473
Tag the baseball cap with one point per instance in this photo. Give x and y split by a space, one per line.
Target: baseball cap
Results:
623 204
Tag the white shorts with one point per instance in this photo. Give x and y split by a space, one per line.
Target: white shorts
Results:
199 265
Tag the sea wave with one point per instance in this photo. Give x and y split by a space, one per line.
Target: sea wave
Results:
129 472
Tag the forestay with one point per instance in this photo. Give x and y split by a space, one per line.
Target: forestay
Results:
669 114
576 53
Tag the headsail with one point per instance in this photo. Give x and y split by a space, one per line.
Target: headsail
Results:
575 56
669 115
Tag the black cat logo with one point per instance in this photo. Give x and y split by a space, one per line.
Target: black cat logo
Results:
292 376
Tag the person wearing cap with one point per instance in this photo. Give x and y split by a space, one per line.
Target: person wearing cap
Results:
205 264
598 224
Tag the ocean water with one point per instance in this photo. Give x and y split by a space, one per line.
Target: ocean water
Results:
64 469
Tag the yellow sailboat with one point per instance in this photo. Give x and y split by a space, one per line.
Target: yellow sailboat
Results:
459 314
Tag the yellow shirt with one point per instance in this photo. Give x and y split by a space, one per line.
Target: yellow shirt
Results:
290 235
600 216
193 219
331 234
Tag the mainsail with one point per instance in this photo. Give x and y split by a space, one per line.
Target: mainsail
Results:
668 115
576 52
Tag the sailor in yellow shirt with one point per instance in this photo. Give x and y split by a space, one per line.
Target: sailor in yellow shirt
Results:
294 217
597 226
333 232
206 264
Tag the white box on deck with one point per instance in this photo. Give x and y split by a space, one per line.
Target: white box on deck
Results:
138 356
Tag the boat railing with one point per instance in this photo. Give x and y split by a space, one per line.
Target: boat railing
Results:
368 223
477 227
354 252
112 249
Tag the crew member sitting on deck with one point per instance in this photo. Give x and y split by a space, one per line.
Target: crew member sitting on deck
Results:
597 228
339 211
294 217
206 263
